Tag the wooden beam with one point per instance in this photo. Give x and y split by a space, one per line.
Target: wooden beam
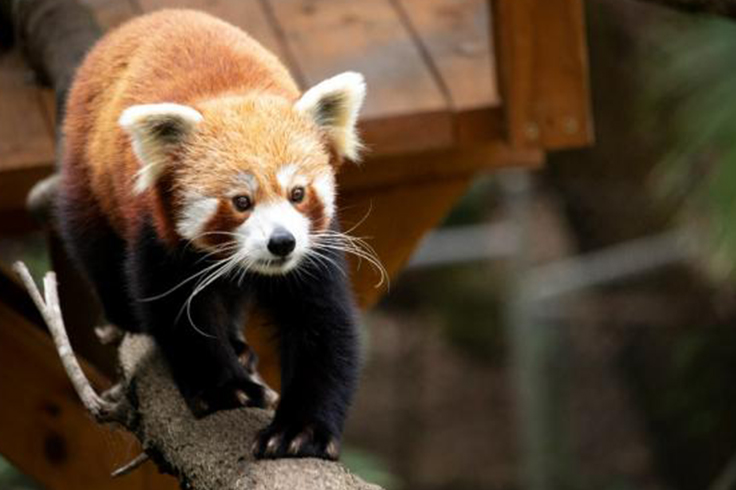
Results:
399 170
46 432
453 35
332 36
542 59
393 228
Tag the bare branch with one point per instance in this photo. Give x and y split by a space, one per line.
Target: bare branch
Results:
101 409
131 465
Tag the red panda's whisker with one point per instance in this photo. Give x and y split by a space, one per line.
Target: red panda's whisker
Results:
226 266
227 247
362 220
332 236
188 279
361 250
323 260
336 238
191 241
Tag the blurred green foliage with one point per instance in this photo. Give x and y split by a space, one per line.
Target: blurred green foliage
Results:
690 104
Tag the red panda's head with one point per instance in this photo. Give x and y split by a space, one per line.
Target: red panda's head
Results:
250 177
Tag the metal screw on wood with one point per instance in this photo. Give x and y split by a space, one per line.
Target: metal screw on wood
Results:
570 125
532 131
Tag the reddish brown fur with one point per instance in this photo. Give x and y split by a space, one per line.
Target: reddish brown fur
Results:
225 218
314 209
189 58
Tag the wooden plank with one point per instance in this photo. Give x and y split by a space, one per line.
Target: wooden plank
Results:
410 133
248 15
27 123
393 171
25 140
394 229
542 61
327 37
46 432
455 36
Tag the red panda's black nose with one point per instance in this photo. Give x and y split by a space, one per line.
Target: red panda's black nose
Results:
281 243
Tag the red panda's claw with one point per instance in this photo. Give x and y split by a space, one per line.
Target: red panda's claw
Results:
270 398
274 443
242 397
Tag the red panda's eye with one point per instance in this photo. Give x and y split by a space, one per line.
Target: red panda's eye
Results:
242 203
297 195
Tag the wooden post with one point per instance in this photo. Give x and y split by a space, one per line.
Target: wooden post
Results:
542 63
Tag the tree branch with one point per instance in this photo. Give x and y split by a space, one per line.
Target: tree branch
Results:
101 409
212 453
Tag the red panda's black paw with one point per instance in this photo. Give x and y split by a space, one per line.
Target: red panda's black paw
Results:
237 393
255 394
276 442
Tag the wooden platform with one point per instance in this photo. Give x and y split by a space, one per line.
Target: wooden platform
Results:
429 71
433 114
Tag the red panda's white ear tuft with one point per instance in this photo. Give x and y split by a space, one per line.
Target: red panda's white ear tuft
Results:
334 105
154 130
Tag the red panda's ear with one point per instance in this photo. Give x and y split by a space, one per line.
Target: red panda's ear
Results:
155 129
334 105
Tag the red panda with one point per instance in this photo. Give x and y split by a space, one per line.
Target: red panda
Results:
196 181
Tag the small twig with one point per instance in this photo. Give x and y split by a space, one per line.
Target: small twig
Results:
130 466
50 310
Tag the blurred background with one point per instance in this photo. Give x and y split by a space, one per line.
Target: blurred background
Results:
572 326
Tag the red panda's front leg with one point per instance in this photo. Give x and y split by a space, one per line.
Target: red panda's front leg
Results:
316 317
195 333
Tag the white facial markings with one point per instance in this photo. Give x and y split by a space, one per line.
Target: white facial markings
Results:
195 214
285 175
324 186
288 177
256 231
246 180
